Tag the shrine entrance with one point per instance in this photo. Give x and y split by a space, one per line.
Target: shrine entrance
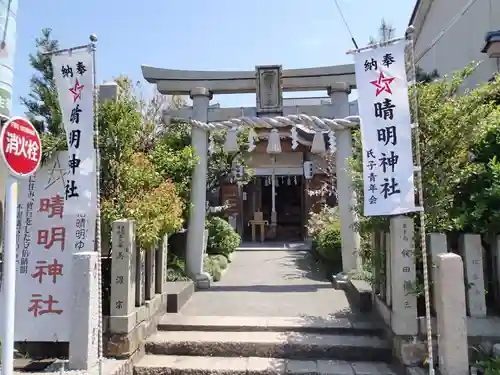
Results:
288 207
285 144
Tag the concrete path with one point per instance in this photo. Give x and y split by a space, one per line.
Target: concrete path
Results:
286 283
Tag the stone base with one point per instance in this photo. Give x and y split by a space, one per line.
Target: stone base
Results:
412 352
202 281
179 292
144 323
359 292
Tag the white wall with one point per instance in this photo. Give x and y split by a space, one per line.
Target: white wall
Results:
463 42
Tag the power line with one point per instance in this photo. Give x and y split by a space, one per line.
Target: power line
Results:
346 24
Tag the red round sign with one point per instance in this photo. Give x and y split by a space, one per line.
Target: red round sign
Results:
21 147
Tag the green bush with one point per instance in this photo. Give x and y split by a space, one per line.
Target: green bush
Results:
222 238
328 243
174 274
223 261
214 265
175 270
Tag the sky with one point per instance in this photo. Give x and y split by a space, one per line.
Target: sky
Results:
203 35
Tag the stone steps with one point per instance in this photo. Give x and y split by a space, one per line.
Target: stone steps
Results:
201 345
189 365
178 322
269 344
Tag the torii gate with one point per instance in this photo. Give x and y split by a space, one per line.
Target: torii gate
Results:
268 83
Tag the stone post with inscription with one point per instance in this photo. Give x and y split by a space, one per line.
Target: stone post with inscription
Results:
108 91
140 277
161 267
450 314
347 197
150 273
388 274
83 341
495 249
376 267
403 277
123 277
382 264
472 252
437 245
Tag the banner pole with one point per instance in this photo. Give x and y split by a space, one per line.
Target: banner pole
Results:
9 274
418 170
93 47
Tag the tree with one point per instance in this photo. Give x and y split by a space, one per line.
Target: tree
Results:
220 165
127 161
385 33
42 103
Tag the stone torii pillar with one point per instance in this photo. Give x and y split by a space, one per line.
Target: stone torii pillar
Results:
339 95
199 139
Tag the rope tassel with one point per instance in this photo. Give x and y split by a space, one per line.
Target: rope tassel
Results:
318 144
274 142
295 142
252 135
332 140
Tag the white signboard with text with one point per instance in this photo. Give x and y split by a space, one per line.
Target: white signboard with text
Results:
47 238
73 74
385 131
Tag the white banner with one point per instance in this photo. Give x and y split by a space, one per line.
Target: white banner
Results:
74 81
47 238
385 131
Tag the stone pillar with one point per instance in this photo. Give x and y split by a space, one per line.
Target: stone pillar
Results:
403 276
83 341
450 314
383 265
199 139
346 195
495 249
150 273
388 273
375 243
108 91
123 277
472 252
437 245
140 277
161 267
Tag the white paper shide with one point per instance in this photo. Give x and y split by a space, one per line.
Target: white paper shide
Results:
385 131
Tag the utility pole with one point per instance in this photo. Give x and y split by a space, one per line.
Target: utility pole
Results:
8 12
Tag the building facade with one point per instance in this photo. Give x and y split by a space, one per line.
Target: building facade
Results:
292 202
466 41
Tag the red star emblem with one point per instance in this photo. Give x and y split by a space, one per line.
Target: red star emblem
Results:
382 84
76 91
